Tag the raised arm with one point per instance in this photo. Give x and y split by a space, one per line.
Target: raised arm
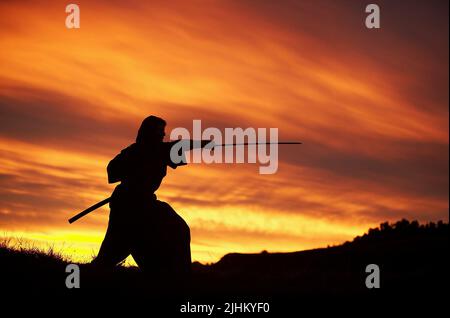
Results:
120 167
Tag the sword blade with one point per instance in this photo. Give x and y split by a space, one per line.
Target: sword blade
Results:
261 143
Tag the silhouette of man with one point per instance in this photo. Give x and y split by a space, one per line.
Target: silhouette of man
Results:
139 224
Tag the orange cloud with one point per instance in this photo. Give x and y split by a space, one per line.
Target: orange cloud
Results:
371 109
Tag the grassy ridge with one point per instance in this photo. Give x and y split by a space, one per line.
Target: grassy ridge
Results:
411 257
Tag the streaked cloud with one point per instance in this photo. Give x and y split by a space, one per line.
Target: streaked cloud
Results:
370 107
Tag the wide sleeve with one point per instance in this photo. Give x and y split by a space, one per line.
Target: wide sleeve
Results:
118 167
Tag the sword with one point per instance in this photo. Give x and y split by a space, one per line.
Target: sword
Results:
260 143
103 202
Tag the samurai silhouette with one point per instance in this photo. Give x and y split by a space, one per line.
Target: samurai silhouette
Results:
140 224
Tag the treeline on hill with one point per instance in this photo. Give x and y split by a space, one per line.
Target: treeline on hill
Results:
404 228
412 257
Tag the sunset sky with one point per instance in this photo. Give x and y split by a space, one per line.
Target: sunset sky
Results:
370 106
